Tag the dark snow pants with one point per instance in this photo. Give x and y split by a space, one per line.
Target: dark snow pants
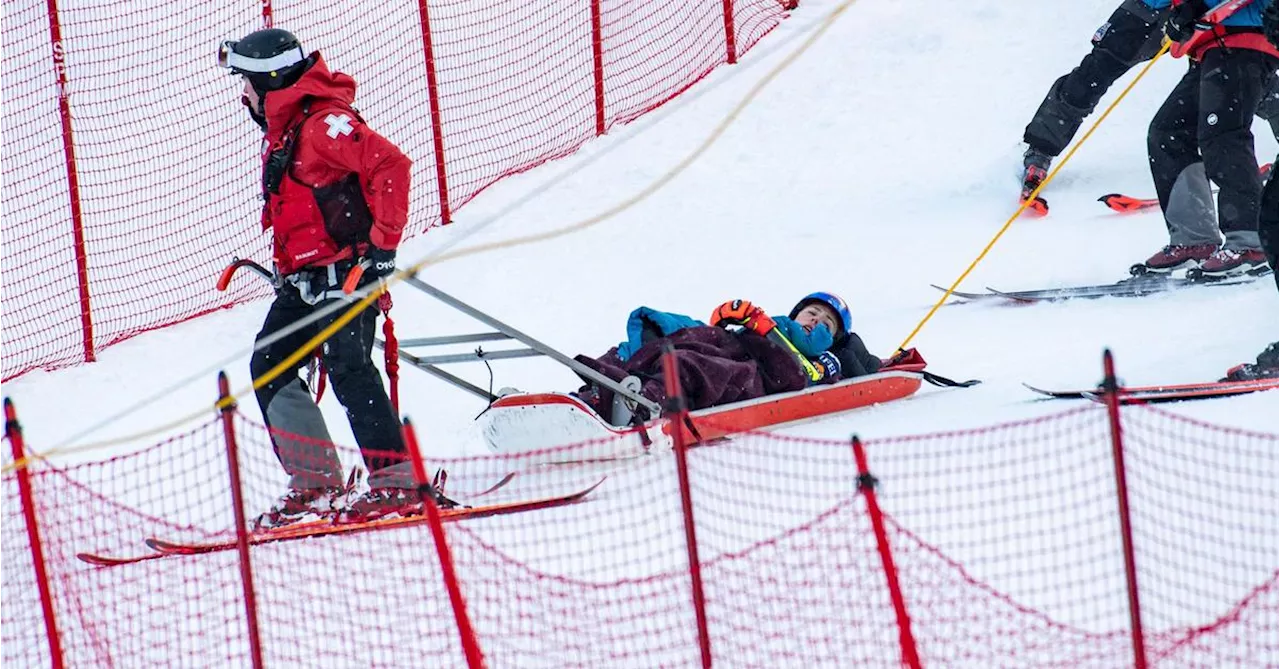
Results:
1131 35
1203 132
1269 224
299 435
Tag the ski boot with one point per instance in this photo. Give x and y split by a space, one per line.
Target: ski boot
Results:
390 503
591 395
1035 167
1225 263
1174 257
308 504
1267 366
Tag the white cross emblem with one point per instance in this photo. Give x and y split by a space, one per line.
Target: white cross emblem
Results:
338 125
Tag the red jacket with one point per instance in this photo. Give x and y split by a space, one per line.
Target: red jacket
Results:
330 144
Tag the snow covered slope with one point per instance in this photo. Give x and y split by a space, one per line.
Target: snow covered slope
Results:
882 160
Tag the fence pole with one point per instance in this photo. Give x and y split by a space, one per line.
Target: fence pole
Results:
597 59
228 411
730 41
1111 393
470 645
433 102
677 412
73 179
13 432
867 485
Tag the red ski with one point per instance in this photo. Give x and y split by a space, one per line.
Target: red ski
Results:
320 528
1166 393
1202 392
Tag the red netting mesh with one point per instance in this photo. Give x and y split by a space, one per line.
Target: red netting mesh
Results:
167 162
1005 541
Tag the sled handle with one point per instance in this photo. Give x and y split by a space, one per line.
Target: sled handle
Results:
354 276
236 263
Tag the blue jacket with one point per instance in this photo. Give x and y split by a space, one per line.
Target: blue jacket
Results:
645 325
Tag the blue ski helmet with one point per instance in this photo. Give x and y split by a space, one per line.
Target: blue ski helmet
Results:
831 300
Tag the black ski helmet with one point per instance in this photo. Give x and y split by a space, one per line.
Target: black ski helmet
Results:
270 59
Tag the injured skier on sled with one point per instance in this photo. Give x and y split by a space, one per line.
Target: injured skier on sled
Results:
743 354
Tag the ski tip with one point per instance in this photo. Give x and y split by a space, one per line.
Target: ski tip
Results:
107 561
162 546
1037 390
494 488
595 485
1125 204
1046 394
942 289
1020 299
95 560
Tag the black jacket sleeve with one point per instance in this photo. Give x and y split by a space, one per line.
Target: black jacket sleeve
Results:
855 359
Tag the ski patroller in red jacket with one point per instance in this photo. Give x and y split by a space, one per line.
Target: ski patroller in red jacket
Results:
330 144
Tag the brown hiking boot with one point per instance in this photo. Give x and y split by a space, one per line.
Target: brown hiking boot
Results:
1175 256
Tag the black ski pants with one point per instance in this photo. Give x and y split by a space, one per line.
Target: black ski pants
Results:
1269 223
1131 35
1204 129
299 436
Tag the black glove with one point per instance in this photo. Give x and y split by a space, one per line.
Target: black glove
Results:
1269 23
1184 20
381 262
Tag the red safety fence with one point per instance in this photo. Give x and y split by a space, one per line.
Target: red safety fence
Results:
133 169
998 546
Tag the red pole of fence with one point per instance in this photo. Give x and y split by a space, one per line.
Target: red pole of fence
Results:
597 58
13 432
433 101
677 411
730 42
867 485
1111 393
228 404
470 645
73 180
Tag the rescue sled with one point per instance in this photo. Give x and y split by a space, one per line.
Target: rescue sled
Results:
525 422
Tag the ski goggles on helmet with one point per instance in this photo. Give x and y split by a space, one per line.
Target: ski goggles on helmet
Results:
241 64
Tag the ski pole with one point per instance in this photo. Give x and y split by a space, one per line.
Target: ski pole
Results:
775 335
